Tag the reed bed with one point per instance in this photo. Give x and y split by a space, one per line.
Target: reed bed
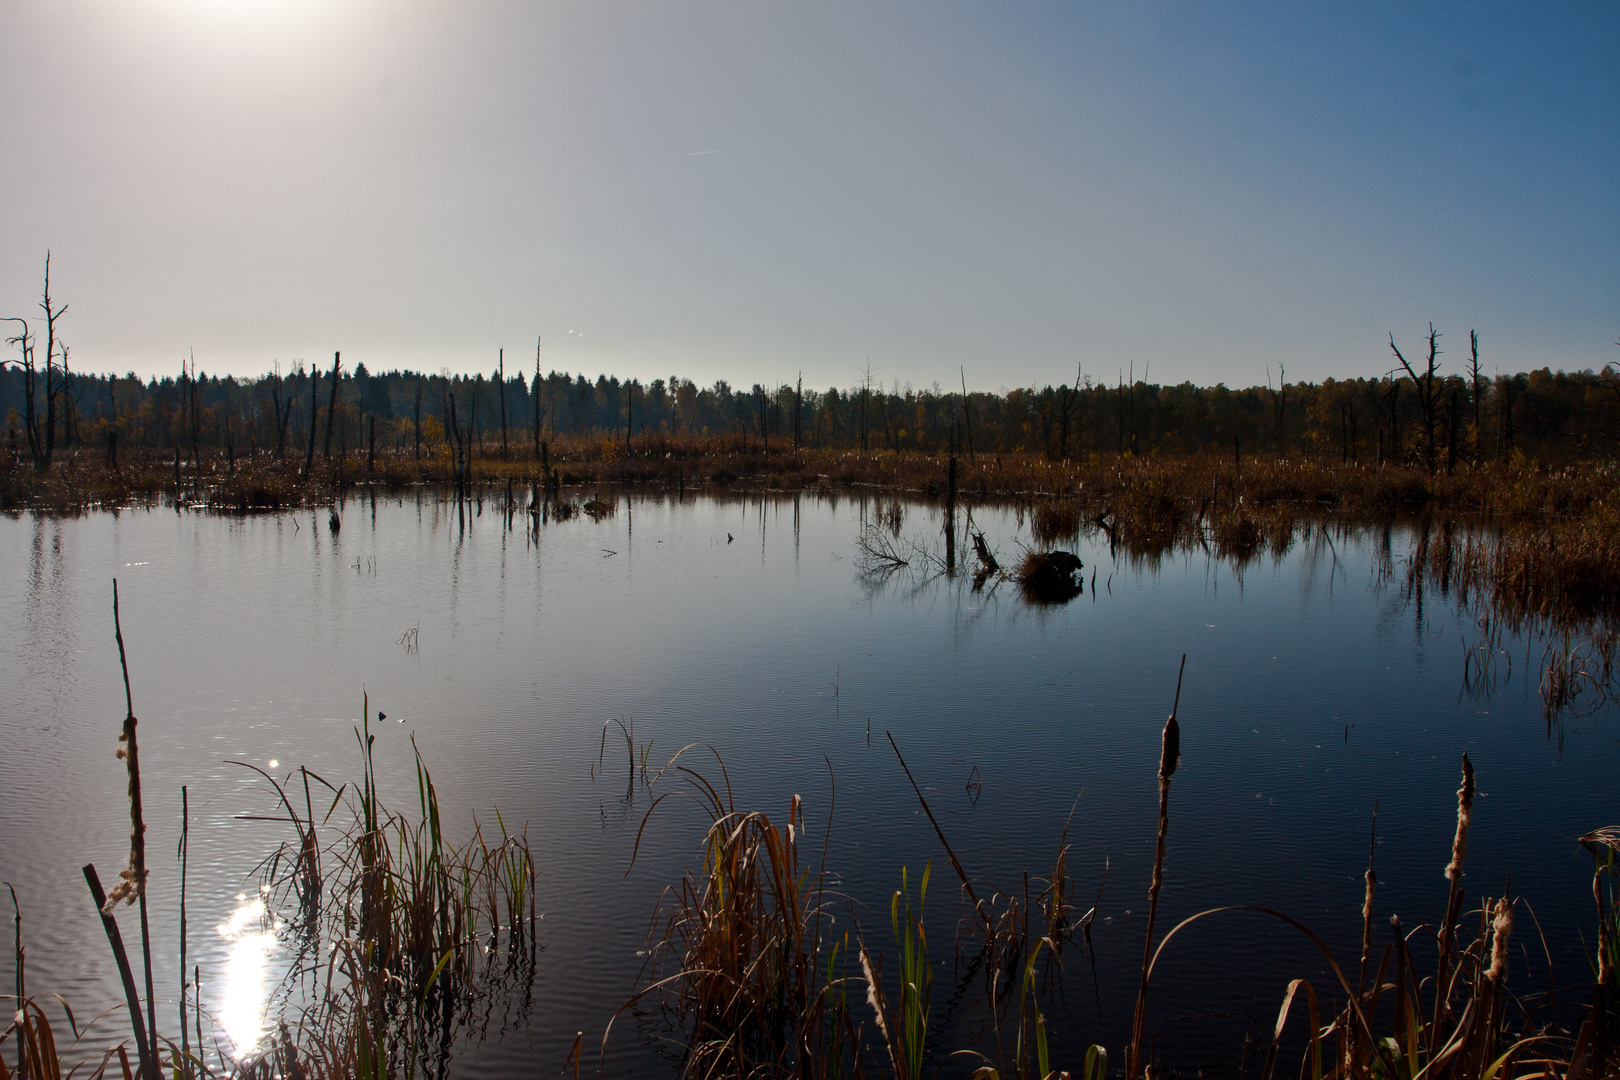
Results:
742 954
755 976
1146 495
398 938
403 934
759 969
1555 585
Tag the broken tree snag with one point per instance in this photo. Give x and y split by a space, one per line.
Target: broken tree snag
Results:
986 559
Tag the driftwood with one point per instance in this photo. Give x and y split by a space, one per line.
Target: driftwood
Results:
987 561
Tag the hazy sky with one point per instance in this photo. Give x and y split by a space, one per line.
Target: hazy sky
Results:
748 190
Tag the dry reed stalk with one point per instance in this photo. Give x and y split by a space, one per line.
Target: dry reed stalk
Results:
1350 1049
18 959
415 924
132 998
1454 873
744 937
979 908
1169 758
131 887
1367 903
183 852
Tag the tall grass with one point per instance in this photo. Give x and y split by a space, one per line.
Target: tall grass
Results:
746 959
410 928
763 971
398 935
1555 585
1149 496
742 951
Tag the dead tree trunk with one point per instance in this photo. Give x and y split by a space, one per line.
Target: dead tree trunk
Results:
331 406
314 415
1428 394
500 377
1473 386
537 409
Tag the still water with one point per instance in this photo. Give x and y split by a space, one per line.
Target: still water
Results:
1316 690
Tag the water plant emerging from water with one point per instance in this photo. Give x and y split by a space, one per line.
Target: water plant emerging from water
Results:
406 938
755 980
764 970
399 937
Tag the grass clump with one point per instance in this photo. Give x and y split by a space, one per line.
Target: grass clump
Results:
411 929
741 953
397 935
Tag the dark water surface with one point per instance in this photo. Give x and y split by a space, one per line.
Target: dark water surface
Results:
1315 689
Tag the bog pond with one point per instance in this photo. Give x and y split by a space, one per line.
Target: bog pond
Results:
1318 686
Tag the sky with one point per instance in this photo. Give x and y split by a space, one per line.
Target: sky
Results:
1001 193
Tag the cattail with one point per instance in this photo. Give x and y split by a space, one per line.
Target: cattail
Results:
132 879
1169 758
1170 751
1501 928
874 998
1367 902
1465 814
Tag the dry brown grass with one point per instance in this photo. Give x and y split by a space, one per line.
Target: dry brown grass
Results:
1148 494
742 953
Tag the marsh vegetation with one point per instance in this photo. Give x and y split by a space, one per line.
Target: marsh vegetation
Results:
775 941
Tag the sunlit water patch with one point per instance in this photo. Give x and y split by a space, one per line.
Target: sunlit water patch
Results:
248 973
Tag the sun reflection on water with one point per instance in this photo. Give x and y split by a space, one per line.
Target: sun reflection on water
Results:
247 973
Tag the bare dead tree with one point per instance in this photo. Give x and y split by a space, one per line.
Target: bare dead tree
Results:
281 410
1505 386
24 340
53 345
542 408
1067 396
1394 416
866 396
53 384
889 437
1279 400
1609 381
72 400
1119 416
1428 392
331 406
463 443
1452 411
314 416
196 400
1474 384
967 414
500 377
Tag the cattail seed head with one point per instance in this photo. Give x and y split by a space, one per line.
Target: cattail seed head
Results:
1465 814
132 878
1170 753
1501 928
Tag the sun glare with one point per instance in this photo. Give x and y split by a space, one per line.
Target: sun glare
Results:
247 971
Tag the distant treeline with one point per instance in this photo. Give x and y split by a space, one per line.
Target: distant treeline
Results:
1425 417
